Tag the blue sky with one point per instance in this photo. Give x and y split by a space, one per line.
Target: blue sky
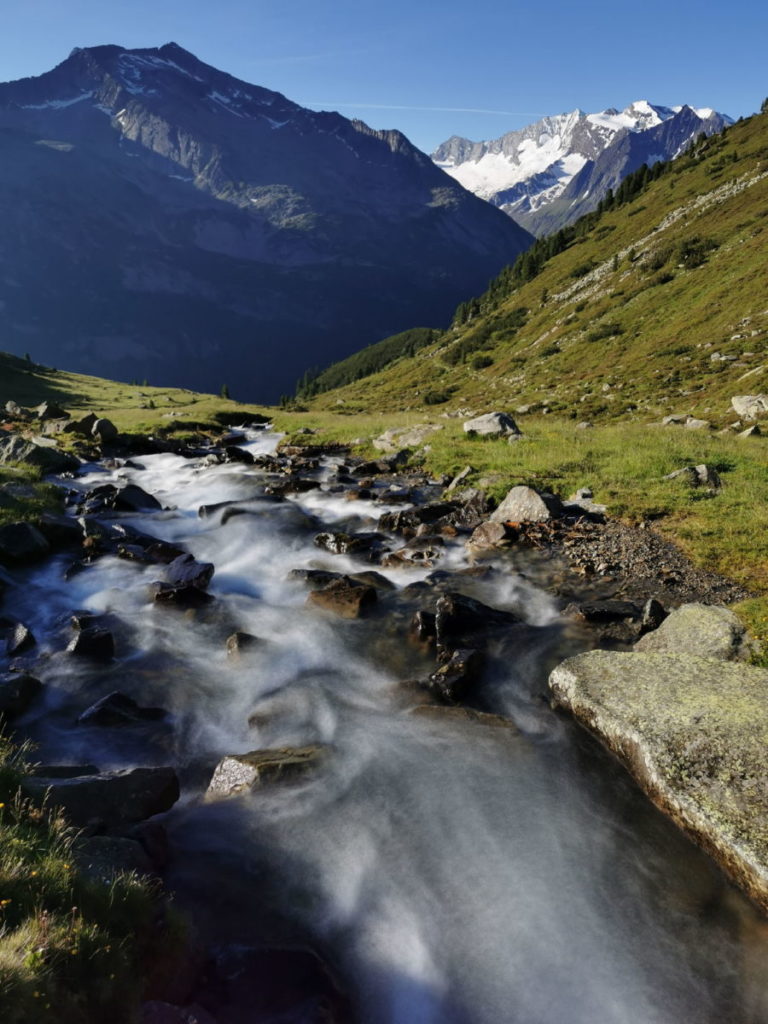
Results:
476 68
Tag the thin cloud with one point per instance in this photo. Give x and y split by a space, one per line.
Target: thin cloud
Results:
440 110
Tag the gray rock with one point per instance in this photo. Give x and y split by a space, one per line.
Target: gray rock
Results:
113 798
753 431
240 643
691 423
185 571
524 505
240 773
693 732
49 459
404 437
83 426
104 430
708 631
51 411
118 709
459 479
675 420
489 536
18 639
492 424
696 476
749 407
92 642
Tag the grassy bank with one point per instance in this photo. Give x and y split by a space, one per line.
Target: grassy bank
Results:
72 949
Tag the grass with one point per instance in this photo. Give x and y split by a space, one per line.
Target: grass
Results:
623 463
678 276
71 949
23 496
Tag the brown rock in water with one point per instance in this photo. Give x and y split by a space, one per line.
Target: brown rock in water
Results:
240 773
240 643
344 597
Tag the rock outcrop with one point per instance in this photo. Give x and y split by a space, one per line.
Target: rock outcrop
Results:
693 732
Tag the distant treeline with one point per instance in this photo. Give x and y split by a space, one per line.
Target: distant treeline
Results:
365 362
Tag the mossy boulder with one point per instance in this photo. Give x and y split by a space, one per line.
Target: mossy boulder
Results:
693 732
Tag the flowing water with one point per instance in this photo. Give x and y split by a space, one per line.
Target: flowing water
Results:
451 872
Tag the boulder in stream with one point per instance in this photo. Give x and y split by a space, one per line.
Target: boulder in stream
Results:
119 709
92 642
18 637
185 571
708 631
452 680
240 773
344 597
693 731
111 798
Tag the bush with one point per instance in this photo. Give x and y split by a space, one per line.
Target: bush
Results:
608 330
693 252
480 362
436 397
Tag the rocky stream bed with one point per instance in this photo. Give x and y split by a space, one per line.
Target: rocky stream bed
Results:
310 693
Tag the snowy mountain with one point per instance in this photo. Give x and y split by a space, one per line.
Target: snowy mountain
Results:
527 173
163 219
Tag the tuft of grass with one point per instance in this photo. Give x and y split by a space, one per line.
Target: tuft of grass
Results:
72 948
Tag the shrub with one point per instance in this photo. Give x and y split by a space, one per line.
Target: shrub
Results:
480 362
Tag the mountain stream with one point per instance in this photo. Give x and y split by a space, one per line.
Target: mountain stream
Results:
450 871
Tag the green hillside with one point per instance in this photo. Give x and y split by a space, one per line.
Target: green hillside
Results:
656 305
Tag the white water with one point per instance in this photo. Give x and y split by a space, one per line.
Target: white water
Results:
454 873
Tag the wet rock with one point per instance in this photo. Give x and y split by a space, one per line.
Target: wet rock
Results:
350 544
240 643
373 579
653 615
412 518
490 536
492 424
49 459
132 498
344 597
605 611
183 597
119 709
234 454
103 857
92 642
750 407
186 571
526 505
240 773
21 543
423 550
693 733
18 637
112 798
452 680
60 531
462 716
423 627
17 692
104 431
458 617
708 631
315 578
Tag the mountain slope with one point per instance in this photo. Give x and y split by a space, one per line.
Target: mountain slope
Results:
655 306
162 219
549 173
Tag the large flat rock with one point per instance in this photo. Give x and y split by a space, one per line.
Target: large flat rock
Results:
694 733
